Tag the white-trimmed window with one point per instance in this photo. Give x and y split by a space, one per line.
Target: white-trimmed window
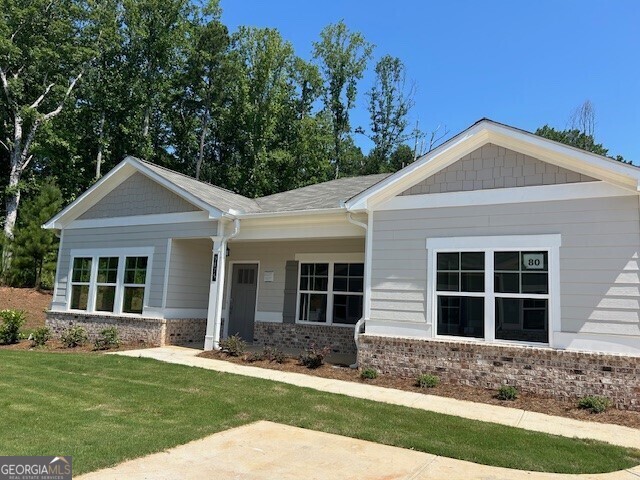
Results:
494 288
330 292
110 280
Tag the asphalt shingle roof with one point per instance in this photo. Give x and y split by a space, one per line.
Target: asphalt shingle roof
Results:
329 194
217 197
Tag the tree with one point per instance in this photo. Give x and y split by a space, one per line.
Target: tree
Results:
389 105
401 157
578 139
342 56
44 49
34 248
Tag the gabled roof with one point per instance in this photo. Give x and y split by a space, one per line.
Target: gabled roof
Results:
220 198
487 131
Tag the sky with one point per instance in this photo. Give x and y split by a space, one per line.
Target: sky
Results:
523 63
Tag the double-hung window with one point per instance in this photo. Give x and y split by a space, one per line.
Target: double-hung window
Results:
494 288
330 292
112 282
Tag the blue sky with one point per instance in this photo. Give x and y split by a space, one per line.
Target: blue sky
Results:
521 63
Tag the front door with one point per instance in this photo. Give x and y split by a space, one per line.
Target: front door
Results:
242 303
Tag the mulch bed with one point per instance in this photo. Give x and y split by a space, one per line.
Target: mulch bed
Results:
525 401
33 302
56 346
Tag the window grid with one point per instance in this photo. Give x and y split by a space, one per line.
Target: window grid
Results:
80 283
324 290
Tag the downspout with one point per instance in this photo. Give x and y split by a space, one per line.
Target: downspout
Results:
220 287
359 327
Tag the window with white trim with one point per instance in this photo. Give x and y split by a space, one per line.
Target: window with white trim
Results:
330 292
500 292
109 283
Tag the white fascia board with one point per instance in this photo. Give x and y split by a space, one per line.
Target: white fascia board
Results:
93 195
429 164
214 213
499 196
157 219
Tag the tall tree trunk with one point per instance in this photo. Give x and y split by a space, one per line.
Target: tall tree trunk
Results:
203 136
100 146
146 122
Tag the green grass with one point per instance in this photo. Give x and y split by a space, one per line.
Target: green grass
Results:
103 409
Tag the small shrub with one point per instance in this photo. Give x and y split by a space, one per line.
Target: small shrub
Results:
40 336
594 404
233 345
74 337
368 373
507 392
108 339
12 321
253 357
426 380
313 356
273 354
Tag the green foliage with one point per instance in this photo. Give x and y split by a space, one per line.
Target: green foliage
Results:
34 248
74 337
427 380
107 339
40 336
368 373
313 356
12 322
594 403
578 139
507 392
342 56
233 346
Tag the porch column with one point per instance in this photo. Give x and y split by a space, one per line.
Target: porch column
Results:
216 289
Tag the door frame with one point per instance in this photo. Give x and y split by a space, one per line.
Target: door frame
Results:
227 302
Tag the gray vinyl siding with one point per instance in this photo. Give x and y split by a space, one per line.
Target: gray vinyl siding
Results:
138 195
132 236
490 167
600 288
273 256
189 272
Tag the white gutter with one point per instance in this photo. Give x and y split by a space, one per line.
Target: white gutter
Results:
367 283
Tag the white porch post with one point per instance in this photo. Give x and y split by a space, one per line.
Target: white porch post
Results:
216 288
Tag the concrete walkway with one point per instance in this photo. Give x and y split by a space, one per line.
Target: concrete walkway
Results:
539 422
267 451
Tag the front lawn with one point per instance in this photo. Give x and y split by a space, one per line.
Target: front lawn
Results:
103 409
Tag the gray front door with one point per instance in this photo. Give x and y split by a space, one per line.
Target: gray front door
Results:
242 305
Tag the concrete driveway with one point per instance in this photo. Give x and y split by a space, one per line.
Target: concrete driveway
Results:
265 450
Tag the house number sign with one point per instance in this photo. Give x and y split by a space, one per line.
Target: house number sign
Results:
533 261
214 270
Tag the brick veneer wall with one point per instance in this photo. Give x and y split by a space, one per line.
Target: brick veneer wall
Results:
562 374
150 331
298 337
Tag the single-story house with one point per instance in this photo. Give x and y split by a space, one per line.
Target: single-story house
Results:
499 256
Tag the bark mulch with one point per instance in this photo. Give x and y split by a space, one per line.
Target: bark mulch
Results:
56 346
33 302
525 401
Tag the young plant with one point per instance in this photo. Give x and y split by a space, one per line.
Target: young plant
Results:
40 336
313 356
273 354
507 392
368 373
108 339
12 321
426 380
233 346
74 337
594 403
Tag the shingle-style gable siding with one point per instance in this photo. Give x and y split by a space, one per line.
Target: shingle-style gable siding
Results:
495 167
138 195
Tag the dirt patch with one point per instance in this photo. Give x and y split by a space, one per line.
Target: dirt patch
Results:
525 401
33 302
